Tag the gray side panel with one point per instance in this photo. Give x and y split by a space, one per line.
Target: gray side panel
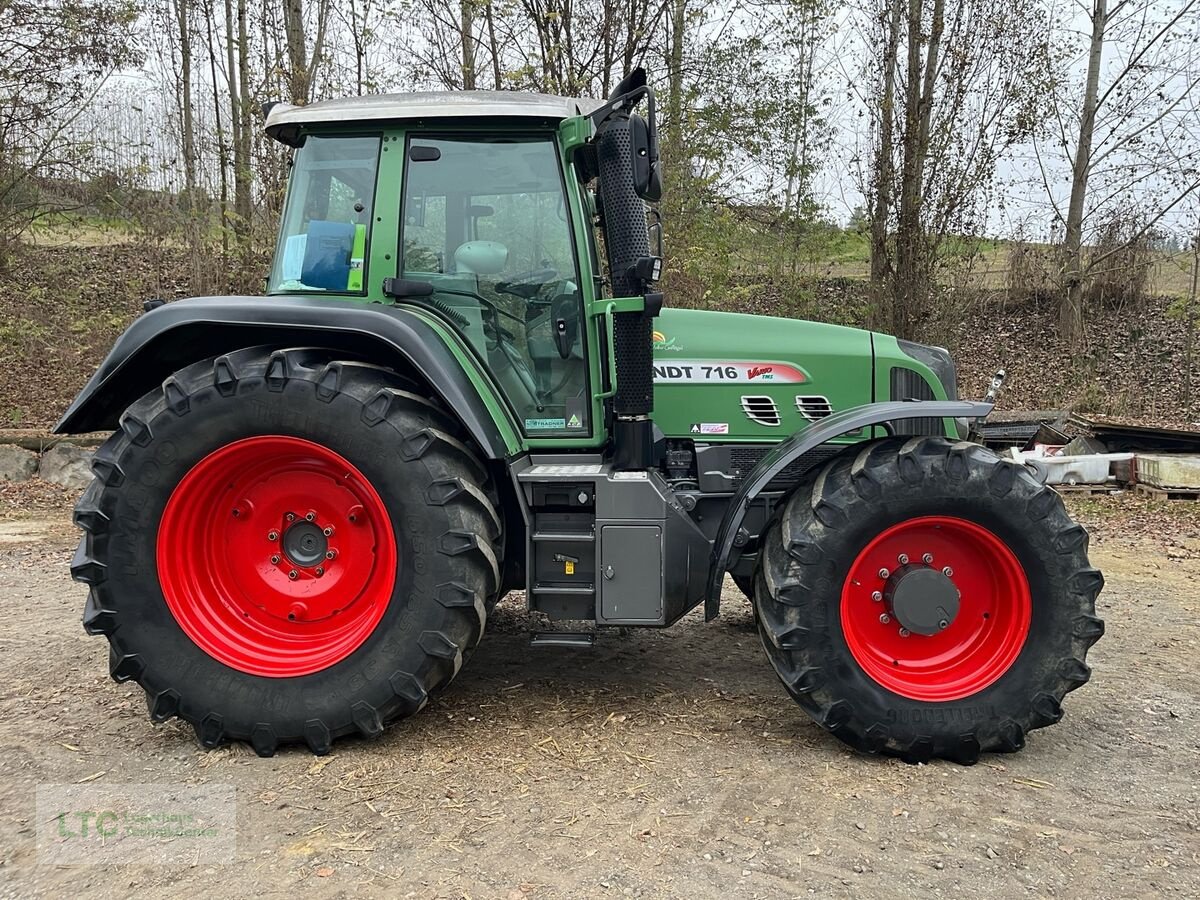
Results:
800 443
631 588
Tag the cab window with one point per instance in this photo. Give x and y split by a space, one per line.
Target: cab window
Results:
326 227
486 222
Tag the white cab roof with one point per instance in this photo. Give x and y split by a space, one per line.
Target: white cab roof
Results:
285 120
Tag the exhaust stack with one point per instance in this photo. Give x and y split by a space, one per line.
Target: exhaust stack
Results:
627 243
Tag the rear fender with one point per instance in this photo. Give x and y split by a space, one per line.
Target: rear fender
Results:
178 334
788 451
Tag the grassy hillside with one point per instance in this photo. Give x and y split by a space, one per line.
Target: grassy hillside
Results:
65 303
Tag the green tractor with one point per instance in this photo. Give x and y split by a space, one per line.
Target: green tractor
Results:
313 499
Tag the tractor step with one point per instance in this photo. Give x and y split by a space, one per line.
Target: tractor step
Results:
576 639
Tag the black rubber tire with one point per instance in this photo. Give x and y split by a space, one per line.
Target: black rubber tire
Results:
815 537
447 529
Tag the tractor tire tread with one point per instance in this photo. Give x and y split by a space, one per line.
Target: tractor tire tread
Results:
444 451
797 589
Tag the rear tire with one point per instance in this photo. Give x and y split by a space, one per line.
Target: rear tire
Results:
984 674
188 495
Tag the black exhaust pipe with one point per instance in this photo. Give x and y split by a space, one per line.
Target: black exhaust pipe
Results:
627 240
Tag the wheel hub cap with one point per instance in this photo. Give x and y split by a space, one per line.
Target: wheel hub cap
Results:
305 544
922 599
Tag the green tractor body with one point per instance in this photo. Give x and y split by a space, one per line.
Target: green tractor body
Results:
463 381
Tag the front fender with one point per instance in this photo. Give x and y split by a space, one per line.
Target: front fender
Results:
178 334
788 451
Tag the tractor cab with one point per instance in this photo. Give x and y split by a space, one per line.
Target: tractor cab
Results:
462 206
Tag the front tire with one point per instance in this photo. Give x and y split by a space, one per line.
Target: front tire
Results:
925 599
284 548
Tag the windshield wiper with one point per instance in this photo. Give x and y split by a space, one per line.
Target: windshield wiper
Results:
408 289
420 293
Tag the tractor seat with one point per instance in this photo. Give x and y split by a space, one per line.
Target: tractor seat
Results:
480 258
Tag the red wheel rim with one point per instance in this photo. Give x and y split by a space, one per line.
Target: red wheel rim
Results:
276 556
974 649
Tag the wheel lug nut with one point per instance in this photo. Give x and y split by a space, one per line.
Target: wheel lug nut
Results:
947 571
272 535
902 559
328 532
310 515
884 618
943 624
291 517
927 559
904 632
320 571
293 574
884 573
275 560
877 596
330 554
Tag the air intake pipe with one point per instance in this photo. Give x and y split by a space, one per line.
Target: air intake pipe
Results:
624 143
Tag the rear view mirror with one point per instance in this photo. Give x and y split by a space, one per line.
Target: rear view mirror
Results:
643 132
643 142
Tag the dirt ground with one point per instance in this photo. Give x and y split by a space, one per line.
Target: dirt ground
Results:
659 764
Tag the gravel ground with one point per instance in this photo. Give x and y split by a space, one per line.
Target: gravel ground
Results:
659 764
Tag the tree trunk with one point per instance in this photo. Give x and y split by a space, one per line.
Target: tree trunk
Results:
907 285
210 15
676 162
884 165
239 104
467 33
493 46
190 200
297 50
1070 318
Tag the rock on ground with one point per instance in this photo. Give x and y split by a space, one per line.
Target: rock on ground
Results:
67 465
17 463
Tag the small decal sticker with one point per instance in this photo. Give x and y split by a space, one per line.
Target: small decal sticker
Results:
569 568
574 422
705 371
663 343
545 424
710 428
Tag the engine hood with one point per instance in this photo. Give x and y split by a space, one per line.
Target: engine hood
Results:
723 376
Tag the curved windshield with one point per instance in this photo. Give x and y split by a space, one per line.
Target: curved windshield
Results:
485 222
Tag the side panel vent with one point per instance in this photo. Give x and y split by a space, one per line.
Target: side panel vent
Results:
907 384
761 409
814 407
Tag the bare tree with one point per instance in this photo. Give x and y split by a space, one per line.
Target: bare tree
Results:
1129 129
962 97
54 59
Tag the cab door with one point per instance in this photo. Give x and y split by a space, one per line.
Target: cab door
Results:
485 220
